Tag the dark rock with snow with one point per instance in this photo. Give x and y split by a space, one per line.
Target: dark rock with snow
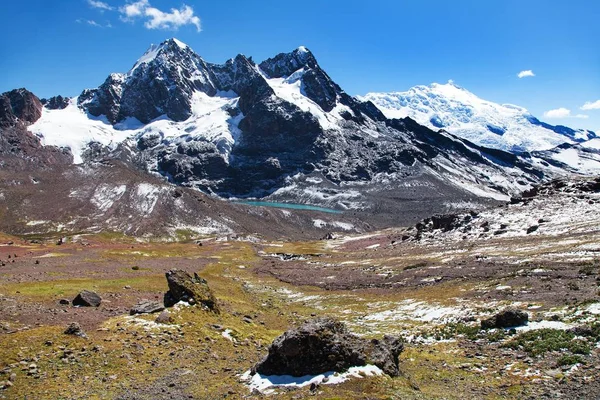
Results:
443 222
87 299
508 318
56 102
325 345
191 289
146 307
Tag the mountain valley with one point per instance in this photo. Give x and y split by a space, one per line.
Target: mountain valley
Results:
186 226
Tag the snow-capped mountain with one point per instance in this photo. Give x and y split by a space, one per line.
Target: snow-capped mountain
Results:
280 129
455 109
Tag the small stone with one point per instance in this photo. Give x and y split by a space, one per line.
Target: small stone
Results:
64 302
164 318
75 329
532 229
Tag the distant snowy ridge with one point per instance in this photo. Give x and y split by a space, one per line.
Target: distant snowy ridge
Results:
462 113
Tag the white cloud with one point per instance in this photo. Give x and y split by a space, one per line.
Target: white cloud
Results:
100 5
525 74
563 113
591 105
93 23
157 19
136 9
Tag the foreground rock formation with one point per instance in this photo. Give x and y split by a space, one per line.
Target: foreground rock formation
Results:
509 318
193 290
325 345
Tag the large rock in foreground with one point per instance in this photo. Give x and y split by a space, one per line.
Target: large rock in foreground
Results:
325 345
194 290
509 318
87 299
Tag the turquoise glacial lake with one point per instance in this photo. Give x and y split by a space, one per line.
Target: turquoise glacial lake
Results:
289 205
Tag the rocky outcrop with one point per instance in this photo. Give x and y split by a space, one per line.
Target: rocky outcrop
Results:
19 105
325 345
191 289
87 299
56 102
20 108
509 318
146 307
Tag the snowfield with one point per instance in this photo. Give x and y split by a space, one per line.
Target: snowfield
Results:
455 109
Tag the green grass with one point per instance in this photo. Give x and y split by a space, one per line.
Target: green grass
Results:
70 287
568 359
541 341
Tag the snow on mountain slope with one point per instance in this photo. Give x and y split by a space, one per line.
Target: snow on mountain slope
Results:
74 128
455 109
289 88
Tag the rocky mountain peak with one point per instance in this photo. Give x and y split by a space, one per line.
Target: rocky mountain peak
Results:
161 82
285 64
169 51
19 105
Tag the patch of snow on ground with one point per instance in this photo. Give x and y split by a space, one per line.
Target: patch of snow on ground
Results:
531 326
34 223
319 223
418 310
263 383
106 195
147 196
227 335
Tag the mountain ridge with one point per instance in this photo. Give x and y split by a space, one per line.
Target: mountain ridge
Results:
281 130
503 126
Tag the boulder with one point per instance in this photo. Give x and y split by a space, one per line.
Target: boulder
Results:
146 307
191 289
506 319
325 345
164 318
75 329
87 299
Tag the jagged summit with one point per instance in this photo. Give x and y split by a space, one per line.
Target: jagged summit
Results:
285 64
455 109
165 49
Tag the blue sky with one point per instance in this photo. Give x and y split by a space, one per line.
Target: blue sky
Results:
62 47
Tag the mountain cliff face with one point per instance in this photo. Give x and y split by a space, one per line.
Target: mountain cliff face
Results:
20 108
281 130
455 109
